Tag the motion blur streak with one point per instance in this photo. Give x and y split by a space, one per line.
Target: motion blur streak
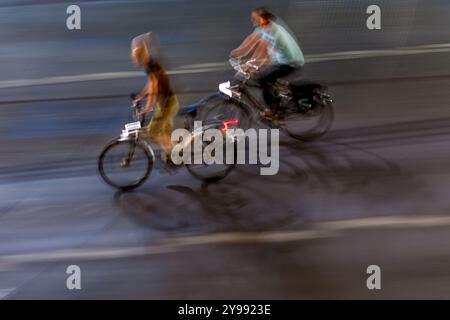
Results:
373 191
321 230
220 66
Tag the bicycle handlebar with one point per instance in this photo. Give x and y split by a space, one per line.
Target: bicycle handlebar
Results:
135 108
240 66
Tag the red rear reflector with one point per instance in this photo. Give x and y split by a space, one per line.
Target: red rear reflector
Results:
228 123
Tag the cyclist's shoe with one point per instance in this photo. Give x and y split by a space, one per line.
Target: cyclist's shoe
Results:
269 115
266 114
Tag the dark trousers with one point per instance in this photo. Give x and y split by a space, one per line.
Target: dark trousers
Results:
269 76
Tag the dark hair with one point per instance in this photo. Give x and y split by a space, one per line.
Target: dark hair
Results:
264 13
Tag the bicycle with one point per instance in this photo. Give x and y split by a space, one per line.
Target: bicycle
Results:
305 109
126 162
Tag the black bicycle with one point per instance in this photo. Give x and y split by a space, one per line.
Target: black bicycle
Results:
305 109
127 161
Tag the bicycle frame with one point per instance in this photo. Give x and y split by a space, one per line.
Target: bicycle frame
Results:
241 95
133 131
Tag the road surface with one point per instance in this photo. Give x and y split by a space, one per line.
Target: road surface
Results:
374 191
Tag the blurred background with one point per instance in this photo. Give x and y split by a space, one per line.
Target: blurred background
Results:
373 191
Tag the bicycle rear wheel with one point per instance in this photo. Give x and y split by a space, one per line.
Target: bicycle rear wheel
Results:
125 165
310 124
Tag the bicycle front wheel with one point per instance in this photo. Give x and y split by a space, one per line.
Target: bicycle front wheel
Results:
125 165
219 112
222 114
213 171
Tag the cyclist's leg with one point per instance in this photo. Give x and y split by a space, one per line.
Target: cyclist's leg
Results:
267 79
164 137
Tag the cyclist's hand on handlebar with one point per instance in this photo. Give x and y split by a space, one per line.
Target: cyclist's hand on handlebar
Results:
137 100
144 112
245 68
252 66
250 70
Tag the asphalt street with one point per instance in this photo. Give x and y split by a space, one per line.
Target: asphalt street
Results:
373 191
